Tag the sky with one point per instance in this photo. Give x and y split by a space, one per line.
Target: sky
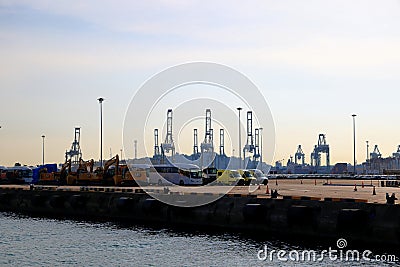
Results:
315 62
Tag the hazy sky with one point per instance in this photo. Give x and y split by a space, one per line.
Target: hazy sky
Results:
316 62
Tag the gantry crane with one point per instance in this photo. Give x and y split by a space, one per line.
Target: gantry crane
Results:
156 146
207 146
168 145
195 143
256 155
221 142
249 147
299 155
75 153
376 154
321 147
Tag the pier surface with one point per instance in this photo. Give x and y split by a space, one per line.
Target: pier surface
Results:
314 188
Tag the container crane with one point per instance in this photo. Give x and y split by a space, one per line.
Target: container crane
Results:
168 145
221 142
299 155
256 155
207 146
156 146
195 143
75 152
321 147
249 147
376 154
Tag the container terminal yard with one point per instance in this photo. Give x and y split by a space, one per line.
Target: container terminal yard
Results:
250 196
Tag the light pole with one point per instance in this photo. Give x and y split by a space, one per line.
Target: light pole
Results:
100 99
240 143
261 145
43 149
354 143
367 155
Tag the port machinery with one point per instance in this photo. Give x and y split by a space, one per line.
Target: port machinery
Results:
321 147
252 141
207 146
75 153
168 146
299 156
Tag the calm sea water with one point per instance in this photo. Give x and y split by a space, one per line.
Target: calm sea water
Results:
27 241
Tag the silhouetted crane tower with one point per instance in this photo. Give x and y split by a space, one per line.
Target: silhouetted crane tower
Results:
221 142
195 143
168 145
397 153
376 154
207 146
156 146
249 147
256 155
321 147
75 152
299 155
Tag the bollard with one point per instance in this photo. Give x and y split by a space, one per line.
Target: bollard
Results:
355 187
267 191
276 181
373 191
362 184
315 182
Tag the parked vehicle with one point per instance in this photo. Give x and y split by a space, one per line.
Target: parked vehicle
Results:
248 177
229 177
209 175
260 176
179 174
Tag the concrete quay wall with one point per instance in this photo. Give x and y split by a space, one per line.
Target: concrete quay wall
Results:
294 217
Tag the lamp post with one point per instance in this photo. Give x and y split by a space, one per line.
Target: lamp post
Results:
367 155
240 143
100 99
354 143
43 149
261 145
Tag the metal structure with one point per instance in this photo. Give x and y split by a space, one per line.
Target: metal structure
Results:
249 147
75 153
221 142
256 155
43 136
240 139
376 154
156 146
397 153
100 99
195 142
354 143
321 147
207 146
299 155
135 147
168 145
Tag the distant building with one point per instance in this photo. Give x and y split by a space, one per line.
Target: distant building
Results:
339 168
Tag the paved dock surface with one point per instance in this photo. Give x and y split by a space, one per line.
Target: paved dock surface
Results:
316 189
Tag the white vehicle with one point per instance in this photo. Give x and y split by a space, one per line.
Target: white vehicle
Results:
260 176
179 174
